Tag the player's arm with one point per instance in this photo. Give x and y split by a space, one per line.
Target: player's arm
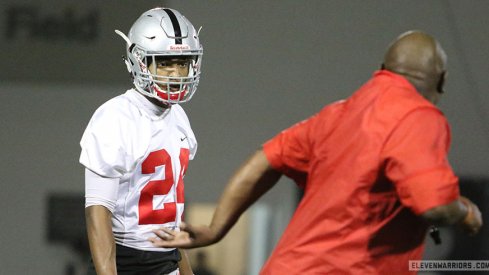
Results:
253 179
184 264
461 211
100 199
101 239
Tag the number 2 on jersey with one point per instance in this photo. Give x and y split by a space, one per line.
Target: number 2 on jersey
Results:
148 215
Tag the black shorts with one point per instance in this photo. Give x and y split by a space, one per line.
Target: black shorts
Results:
131 261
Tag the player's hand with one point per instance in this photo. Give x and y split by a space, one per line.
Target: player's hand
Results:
188 237
473 221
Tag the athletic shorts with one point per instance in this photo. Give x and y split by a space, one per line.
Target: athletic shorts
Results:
131 261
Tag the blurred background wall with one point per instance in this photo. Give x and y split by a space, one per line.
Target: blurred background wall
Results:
266 65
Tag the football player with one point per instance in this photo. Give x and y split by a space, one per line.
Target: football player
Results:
136 150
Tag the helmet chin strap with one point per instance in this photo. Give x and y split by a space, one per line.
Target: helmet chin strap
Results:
172 97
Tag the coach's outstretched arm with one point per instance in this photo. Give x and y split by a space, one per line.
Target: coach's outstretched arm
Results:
253 179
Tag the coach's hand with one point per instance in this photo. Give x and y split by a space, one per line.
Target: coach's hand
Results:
188 237
473 220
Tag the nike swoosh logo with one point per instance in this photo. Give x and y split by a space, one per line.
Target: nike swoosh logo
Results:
182 139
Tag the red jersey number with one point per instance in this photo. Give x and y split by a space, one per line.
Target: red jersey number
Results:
148 215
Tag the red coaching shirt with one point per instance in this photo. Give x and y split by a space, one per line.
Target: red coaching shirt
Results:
369 166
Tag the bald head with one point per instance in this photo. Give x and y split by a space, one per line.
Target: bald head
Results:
418 57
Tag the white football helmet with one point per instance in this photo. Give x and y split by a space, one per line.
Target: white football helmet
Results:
163 32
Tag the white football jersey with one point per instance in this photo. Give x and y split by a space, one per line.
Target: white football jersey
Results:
148 149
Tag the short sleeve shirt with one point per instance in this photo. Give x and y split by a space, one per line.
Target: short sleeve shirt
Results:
369 166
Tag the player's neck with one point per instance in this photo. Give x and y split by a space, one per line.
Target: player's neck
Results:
157 102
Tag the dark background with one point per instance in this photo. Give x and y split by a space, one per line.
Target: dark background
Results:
266 65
